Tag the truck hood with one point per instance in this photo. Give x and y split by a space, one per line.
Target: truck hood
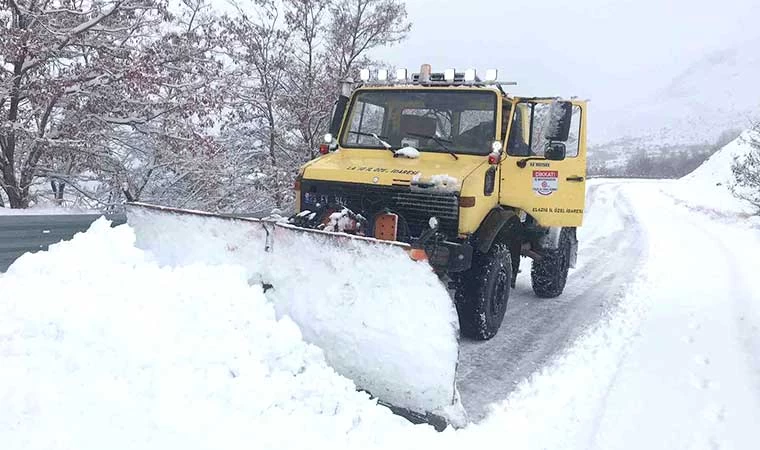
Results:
380 167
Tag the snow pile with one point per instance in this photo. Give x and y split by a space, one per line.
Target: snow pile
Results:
341 221
710 186
117 352
717 169
441 183
408 152
383 320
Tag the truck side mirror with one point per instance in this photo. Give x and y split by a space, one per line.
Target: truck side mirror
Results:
555 151
337 117
560 116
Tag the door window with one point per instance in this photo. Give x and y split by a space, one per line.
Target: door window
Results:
529 125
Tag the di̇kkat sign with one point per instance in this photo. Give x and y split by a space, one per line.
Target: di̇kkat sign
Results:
545 181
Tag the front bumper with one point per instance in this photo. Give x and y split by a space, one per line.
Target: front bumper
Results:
451 257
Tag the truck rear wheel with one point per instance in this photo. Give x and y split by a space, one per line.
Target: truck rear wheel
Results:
482 294
549 275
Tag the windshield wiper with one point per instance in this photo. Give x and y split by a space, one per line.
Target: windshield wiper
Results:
376 136
438 140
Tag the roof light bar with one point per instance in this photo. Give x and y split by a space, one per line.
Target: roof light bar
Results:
469 75
364 74
449 74
382 75
401 74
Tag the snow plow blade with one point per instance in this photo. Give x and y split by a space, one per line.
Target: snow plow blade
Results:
381 319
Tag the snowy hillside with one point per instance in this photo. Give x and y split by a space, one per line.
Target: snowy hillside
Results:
717 93
711 185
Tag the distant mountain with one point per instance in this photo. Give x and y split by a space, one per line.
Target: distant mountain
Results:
720 92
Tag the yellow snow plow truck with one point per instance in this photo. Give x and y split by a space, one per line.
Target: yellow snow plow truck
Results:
426 183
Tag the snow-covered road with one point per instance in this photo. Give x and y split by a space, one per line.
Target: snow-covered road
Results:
675 362
656 344
691 375
535 330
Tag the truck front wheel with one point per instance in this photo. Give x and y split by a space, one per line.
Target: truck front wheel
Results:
482 293
549 275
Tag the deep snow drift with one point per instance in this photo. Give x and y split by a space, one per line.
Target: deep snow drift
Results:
100 347
382 319
709 188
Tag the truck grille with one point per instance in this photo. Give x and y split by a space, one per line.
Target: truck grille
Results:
414 207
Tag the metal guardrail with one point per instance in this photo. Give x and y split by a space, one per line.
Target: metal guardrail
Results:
21 234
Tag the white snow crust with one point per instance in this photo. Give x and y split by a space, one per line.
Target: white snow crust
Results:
383 320
711 186
132 349
408 152
117 352
442 183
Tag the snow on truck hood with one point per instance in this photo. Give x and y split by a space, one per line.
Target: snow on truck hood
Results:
379 167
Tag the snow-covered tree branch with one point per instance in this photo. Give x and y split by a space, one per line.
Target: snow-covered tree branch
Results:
746 169
182 103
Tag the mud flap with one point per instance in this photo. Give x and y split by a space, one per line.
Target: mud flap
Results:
381 319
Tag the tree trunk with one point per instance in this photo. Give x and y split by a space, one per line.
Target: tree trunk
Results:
15 199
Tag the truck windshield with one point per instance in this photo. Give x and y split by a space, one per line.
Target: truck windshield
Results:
428 120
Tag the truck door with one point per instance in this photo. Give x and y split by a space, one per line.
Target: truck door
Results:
533 177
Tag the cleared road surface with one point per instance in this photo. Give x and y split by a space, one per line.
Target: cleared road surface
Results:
535 330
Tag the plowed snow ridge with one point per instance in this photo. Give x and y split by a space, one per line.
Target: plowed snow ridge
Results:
100 347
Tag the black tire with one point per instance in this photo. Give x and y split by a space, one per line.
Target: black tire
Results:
483 292
549 275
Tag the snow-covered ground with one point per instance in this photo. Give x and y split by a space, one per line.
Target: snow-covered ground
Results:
709 188
116 351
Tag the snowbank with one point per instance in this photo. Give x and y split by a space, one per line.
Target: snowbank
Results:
117 352
383 320
709 187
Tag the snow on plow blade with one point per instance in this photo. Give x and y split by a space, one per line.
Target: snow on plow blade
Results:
382 319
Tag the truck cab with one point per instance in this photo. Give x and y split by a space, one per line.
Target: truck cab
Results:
467 175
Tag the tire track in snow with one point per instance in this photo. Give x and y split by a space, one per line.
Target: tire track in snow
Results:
535 331
747 334
682 380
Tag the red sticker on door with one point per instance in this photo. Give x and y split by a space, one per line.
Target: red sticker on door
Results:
545 181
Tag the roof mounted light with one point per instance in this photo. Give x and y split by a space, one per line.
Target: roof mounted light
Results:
400 74
382 75
425 71
492 75
469 75
364 74
449 74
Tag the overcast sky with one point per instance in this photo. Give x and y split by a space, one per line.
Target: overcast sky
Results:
597 49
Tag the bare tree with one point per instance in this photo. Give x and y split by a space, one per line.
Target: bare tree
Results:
746 170
308 101
259 44
359 26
